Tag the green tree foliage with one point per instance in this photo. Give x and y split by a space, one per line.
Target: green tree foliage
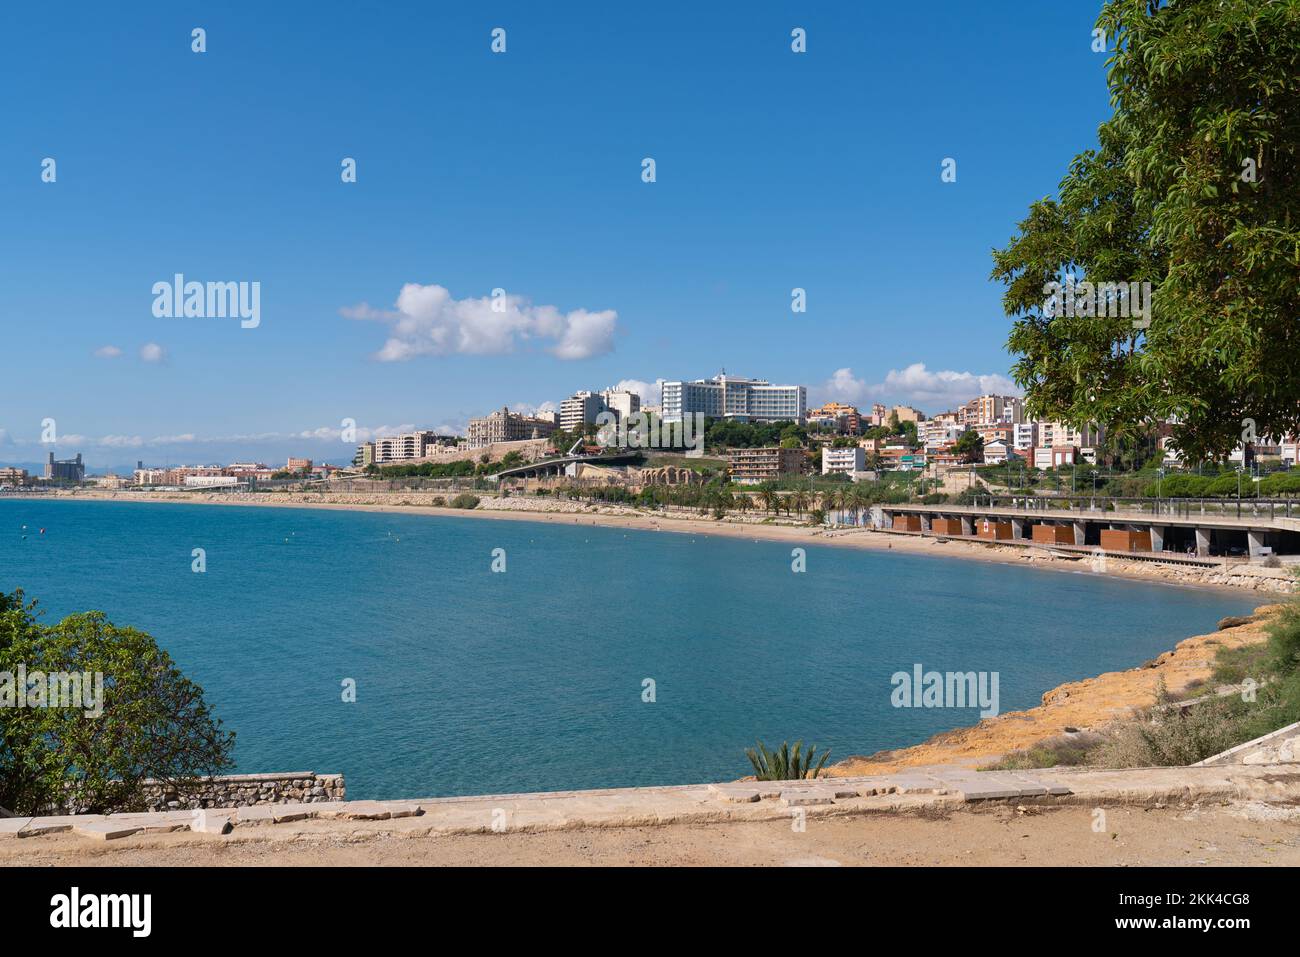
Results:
154 722
969 446
726 434
1194 186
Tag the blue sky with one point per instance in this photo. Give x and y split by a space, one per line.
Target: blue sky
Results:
519 171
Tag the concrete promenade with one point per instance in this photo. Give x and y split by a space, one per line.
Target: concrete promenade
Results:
916 790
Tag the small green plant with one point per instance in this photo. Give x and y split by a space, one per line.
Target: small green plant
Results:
465 500
785 765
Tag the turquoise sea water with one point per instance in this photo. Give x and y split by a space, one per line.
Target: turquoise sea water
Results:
470 681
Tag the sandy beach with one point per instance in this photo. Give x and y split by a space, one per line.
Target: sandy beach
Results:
756 528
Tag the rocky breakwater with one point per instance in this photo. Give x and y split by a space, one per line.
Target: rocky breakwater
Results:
246 790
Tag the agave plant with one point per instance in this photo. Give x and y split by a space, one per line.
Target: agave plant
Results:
784 764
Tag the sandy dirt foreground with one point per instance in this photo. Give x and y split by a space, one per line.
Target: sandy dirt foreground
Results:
1252 835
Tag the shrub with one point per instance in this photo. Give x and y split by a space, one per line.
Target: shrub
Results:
439 501
785 765
147 719
1062 751
1171 736
465 500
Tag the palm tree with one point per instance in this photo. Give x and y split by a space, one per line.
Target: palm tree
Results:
767 495
860 500
801 501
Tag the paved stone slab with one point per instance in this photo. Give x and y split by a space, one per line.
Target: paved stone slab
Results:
805 798
12 827
256 814
209 821
403 809
359 811
104 830
735 793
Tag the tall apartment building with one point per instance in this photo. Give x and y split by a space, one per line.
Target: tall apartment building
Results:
1060 434
991 409
506 426
65 470
408 445
736 398
14 476
581 409
621 402
751 466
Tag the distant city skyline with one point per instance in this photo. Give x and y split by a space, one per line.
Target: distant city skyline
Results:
499 245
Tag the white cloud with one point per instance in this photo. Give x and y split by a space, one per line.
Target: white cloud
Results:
152 352
935 391
428 321
107 352
931 391
527 408
843 387
650 392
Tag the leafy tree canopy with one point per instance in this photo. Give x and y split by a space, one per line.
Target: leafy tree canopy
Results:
152 720
1194 187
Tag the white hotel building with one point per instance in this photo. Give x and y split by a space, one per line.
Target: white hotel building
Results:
733 397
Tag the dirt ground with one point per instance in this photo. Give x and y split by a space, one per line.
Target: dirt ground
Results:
1250 835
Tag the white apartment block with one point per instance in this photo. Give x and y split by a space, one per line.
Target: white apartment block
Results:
847 461
1055 434
580 409
408 445
1026 436
734 397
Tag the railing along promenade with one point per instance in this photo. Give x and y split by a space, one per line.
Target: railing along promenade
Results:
1112 509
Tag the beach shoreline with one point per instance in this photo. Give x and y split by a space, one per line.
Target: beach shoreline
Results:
1231 579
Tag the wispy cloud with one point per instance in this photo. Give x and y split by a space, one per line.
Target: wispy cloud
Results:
152 352
427 320
107 352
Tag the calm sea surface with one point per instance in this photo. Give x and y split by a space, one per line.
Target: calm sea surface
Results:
470 682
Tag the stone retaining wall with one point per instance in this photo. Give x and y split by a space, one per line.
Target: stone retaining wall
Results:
246 790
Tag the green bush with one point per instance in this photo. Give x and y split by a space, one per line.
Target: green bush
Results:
1280 483
1179 486
465 500
147 719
